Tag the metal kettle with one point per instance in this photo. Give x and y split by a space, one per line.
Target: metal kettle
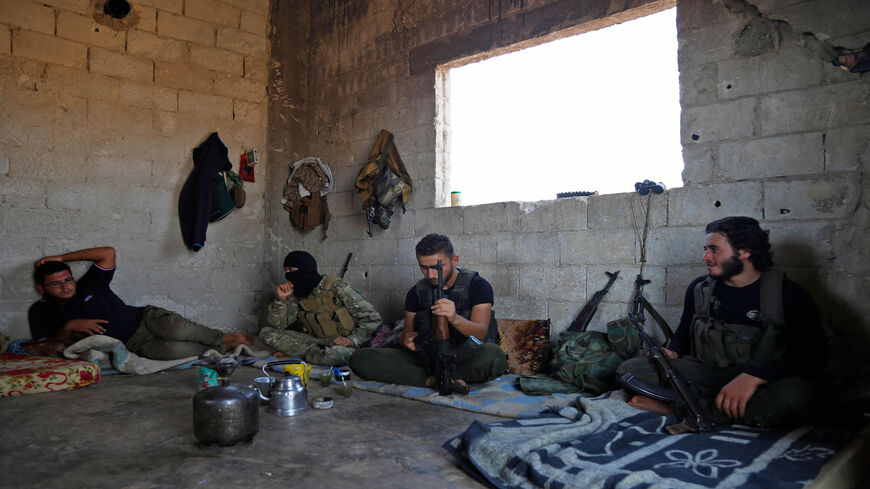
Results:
225 414
288 396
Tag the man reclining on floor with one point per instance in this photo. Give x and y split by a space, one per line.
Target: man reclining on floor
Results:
71 310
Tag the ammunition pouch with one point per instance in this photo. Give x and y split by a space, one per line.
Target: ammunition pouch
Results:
321 316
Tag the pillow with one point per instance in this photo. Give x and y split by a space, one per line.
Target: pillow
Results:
32 374
527 344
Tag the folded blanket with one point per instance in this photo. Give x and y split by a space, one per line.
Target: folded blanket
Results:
108 352
605 443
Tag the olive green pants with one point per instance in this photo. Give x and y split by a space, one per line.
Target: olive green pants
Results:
780 403
166 335
405 367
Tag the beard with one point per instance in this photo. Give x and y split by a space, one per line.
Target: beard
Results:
730 268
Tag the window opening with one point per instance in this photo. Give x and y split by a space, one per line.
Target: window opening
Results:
598 111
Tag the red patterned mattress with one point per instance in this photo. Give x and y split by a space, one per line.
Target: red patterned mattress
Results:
21 374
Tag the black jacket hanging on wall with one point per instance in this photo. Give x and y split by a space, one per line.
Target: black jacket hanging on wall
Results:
197 195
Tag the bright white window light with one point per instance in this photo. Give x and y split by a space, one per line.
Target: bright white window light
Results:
597 111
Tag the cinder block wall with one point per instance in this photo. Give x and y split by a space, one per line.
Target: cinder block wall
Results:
770 129
98 120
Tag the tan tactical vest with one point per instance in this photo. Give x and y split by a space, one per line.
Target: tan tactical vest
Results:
728 344
321 316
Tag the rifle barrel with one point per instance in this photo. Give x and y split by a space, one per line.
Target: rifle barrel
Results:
346 263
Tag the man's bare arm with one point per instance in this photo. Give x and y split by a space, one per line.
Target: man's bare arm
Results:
476 326
103 257
406 339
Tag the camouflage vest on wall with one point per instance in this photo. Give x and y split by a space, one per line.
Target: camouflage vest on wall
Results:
461 297
321 316
729 344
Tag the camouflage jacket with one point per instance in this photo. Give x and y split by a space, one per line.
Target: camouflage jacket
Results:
283 313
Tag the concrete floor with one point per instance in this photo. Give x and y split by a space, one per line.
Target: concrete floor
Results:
137 432
128 432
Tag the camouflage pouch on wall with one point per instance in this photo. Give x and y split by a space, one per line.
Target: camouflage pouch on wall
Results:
589 359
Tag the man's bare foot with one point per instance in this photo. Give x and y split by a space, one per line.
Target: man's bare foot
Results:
458 386
231 340
649 404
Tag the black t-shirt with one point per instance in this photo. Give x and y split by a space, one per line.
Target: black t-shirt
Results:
806 346
93 300
479 292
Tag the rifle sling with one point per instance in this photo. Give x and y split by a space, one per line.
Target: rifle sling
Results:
666 329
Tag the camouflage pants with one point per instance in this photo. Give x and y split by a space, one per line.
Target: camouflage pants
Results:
313 350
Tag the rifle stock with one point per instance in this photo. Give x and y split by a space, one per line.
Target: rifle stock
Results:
581 322
686 407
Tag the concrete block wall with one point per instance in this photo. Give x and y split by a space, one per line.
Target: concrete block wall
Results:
770 129
98 120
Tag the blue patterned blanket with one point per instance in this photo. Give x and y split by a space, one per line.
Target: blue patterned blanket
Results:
610 445
501 397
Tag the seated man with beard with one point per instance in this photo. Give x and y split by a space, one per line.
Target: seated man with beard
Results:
749 339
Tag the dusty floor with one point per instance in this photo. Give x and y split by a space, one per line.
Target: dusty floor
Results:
128 432
137 432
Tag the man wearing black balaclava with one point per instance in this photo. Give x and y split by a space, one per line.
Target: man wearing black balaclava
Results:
317 318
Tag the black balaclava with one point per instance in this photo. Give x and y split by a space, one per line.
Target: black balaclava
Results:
306 277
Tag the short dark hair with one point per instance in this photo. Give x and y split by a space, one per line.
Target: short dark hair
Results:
744 233
432 244
48 268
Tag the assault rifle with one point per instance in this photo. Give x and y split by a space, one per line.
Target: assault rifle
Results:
691 417
639 303
581 322
433 339
346 263
444 369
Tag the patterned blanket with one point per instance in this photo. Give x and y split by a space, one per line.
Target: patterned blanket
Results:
501 397
605 443
32 374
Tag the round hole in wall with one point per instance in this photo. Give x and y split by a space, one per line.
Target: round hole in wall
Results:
784 212
695 137
717 204
366 274
728 86
117 9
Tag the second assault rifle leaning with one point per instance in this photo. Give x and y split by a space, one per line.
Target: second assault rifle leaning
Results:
581 322
433 343
691 417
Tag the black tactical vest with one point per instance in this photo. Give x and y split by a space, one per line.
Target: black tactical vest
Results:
730 344
461 297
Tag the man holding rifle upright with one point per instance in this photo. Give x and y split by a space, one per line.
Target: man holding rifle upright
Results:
749 339
468 349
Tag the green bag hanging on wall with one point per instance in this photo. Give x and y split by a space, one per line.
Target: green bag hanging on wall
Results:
588 359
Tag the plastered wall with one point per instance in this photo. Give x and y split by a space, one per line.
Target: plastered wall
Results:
98 120
770 129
